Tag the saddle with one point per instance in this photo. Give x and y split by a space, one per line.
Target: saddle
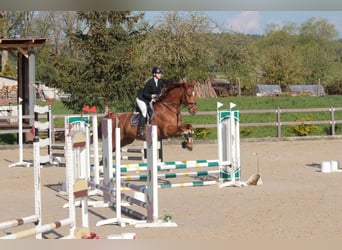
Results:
136 116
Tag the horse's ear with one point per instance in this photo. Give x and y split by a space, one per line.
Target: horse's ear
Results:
193 82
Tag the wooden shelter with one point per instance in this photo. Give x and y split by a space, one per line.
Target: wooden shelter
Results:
23 50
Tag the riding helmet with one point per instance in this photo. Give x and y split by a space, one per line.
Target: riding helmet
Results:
156 70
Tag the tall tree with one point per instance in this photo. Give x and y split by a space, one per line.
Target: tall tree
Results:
54 25
280 60
235 57
178 44
100 73
9 21
319 51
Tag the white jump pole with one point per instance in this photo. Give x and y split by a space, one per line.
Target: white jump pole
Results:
108 176
219 137
152 190
96 150
152 181
21 161
96 161
71 220
152 177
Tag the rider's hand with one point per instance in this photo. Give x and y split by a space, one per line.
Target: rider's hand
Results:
155 97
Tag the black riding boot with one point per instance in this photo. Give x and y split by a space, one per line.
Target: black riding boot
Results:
141 125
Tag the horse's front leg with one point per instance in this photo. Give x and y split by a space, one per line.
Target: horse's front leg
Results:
185 130
188 143
187 133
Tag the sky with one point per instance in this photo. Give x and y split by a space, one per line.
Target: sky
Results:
254 22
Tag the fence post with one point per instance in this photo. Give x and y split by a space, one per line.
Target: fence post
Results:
332 120
278 123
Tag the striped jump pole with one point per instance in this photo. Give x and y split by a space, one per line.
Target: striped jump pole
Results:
115 191
133 157
132 150
143 177
143 152
74 191
111 191
36 218
169 165
39 229
19 222
187 184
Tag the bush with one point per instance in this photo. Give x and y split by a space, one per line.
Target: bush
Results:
201 133
245 132
304 129
8 139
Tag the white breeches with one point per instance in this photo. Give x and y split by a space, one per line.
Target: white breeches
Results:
142 107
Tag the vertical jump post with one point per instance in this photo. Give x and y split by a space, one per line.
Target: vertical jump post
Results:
228 129
21 161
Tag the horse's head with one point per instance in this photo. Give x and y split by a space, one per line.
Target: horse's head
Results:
189 97
181 93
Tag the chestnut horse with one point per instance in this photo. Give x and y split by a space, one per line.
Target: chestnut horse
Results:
166 116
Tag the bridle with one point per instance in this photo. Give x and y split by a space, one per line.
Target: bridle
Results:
185 103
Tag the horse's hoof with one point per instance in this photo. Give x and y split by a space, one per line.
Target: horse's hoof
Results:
186 146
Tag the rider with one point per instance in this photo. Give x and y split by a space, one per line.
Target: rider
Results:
150 92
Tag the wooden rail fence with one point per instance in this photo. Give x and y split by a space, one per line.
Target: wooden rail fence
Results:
7 128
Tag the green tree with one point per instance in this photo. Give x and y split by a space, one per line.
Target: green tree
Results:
280 61
178 45
319 49
318 29
235 57
100 71
54 25
8 70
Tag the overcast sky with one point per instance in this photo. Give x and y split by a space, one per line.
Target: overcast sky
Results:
254 22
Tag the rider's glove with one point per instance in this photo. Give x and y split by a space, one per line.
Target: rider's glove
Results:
155 97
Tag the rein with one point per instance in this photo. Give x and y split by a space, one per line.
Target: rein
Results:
184 103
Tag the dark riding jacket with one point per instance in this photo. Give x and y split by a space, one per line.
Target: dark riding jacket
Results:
150 89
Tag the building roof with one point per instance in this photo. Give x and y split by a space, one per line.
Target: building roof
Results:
267 89
21 44
14 43
312 89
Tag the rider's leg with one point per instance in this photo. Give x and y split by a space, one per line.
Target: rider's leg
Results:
141 124
142 119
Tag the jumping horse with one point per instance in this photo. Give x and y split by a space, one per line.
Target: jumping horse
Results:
166 116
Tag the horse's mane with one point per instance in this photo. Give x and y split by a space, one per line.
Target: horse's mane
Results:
169 85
